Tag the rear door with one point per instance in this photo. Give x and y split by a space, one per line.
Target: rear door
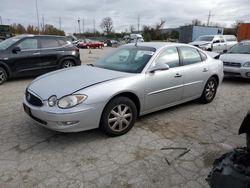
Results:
195 71
164 88
26 61
51 51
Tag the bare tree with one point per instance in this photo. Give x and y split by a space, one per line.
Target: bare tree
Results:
107 25
196 22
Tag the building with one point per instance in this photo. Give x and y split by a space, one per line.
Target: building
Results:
190 32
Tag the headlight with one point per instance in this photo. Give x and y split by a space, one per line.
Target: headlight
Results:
247 64
52 101
71 101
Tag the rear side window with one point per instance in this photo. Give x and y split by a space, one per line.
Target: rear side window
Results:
189 55
203 56
49 43
62 42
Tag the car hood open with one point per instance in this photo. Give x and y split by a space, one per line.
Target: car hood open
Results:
68 81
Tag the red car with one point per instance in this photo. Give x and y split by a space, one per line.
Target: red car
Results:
86 43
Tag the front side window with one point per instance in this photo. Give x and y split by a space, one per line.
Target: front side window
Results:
205 38
28 44
130 59
169 56
189 55
49 43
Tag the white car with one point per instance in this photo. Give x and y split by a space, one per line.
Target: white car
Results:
215 43
237 60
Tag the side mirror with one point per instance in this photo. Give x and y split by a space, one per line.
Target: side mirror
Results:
216 41
225 51
16 49
159 67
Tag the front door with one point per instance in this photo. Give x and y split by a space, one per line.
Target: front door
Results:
26 61
164 88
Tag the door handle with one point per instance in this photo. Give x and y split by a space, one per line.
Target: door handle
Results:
177 75
205 70
36 53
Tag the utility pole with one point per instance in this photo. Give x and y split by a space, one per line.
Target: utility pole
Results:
83 25
79 25
37 15
209 17
138 24
60 23
1 21
42 23
94 25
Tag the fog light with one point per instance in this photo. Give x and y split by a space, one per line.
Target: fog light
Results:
67 123
248 74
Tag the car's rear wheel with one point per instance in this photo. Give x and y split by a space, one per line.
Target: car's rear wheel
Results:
209 91
118 116
67 63
3 75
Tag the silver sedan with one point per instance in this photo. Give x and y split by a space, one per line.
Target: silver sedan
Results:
133 80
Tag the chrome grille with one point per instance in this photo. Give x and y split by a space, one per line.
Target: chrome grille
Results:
232 64
32 99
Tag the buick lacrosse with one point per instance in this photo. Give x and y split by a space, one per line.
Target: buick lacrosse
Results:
131 81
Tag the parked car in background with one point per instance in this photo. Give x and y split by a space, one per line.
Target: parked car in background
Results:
237 60
132 80
215 43
25 55
87 43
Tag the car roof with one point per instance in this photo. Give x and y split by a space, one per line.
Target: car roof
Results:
157 45
31 35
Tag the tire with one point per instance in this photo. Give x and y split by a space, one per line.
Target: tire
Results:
118 116
67 63
3 75
209 91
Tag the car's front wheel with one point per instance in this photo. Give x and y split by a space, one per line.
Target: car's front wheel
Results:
118 116
209 91
3 75
67 63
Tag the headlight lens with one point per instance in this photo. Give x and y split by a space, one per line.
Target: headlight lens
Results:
52 101
247 64
71 101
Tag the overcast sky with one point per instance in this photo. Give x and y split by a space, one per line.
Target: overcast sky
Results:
123 12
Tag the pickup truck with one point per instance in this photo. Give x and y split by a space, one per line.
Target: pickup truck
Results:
215 43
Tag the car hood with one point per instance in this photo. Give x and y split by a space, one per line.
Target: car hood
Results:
236 58
67 81
200 43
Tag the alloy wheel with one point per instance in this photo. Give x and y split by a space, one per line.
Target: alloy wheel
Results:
210 89
120 117
68 64
2 76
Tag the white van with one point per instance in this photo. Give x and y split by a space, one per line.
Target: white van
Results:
134 37
215 43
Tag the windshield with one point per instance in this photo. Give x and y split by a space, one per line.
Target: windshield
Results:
205 38
241 48
130 59
8 42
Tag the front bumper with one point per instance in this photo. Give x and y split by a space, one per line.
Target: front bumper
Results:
84 117
243 72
